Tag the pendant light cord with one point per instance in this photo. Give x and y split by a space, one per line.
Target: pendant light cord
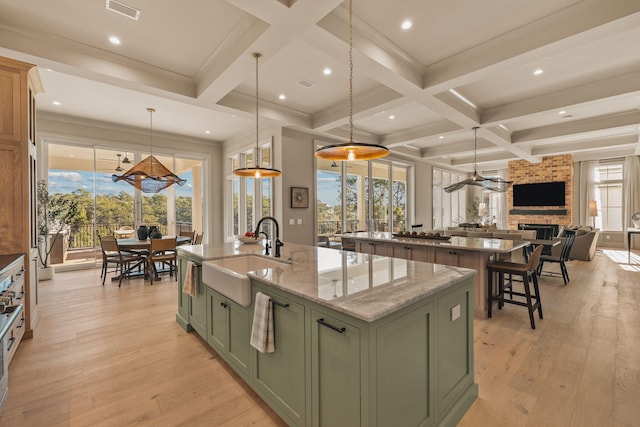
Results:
475 148
256 162
151 111
351 71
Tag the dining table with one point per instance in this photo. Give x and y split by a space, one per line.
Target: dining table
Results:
142 247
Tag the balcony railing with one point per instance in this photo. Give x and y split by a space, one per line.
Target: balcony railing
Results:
82 236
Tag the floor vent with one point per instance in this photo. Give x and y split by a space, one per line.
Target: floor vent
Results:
122 9
305 83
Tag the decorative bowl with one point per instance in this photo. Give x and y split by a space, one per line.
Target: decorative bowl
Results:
249 240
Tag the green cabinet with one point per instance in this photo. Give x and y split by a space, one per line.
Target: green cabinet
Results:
336 378
192 311
228 328
279 377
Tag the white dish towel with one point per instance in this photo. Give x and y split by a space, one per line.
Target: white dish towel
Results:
262 329
189 285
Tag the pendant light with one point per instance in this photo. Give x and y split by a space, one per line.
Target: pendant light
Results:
149 175
118 169
126 159
351 150
496 184
257 171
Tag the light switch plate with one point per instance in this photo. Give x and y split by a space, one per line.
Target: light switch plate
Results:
299 221
292 221
455 312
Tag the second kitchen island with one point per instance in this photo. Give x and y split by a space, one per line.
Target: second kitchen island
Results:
360 340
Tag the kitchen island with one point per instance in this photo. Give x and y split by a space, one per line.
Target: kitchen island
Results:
360 340
457 251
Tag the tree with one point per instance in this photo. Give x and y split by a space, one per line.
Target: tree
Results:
54 214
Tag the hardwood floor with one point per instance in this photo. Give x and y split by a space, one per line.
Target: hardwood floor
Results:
103 356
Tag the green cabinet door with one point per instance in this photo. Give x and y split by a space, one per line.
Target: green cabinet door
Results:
198 315
335 372
184 303
238 337
279 377
217 321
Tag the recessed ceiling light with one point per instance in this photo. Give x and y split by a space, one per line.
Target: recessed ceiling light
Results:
56 103
208 132
441 137
282 97
538 71
71 155
115 40
562 112
48 69
326 71
503 127
406 24
391 117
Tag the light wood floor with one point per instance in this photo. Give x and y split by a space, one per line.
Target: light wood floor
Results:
103 356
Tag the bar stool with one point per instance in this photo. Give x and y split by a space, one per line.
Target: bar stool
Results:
528 272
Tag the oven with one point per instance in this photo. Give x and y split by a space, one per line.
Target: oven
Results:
8 320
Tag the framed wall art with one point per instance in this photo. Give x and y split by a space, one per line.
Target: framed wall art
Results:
299 197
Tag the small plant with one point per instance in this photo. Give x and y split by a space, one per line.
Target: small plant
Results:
473 212
54 215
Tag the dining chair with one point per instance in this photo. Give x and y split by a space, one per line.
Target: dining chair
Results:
528 272
198 239
124 262
164 252
189 234
559 259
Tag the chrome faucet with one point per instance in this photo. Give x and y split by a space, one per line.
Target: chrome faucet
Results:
278 242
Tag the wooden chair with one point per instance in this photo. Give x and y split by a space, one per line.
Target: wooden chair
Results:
528 272
162 251
123 261
561 259
189 234
198 239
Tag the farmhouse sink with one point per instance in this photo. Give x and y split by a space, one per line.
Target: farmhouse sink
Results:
229 275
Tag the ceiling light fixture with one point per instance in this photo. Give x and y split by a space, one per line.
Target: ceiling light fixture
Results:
282 97
56 103
351 150
126 159
391 117
496 184
118 169
562 112
538 71
149 175
257 172
463 99
406 24
115 40
326 71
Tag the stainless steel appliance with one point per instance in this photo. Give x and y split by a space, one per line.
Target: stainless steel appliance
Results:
7 321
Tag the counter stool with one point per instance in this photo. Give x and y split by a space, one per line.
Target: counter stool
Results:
528 272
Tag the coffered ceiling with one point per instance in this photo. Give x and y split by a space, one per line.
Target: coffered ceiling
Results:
192 62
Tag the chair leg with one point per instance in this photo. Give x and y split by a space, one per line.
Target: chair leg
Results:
536 289
527 292
500 290
490 293
565 273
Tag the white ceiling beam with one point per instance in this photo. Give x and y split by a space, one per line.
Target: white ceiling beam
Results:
617 142
486 158
240 102
420 133
583 95
625 122
497 136
453 148
580 23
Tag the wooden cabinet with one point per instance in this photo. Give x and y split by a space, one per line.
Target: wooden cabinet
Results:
336 379
279 377
412 252
374 248
228 328
19 83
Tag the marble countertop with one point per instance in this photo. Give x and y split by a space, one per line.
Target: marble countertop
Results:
463 243
367 287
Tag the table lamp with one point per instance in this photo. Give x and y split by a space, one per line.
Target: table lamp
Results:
593 211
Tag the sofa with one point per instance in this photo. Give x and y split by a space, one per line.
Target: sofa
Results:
584 245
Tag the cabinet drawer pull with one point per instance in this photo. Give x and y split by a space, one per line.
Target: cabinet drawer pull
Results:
21 323
408 248
225 305
280 304
453 253
371 244
20 295
330 326
11 342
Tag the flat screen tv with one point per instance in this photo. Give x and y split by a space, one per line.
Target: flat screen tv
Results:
539 194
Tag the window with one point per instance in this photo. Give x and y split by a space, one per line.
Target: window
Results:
608 194
449 209
249 199
360 195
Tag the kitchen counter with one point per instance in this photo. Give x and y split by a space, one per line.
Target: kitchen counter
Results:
360 339
363 286
474 253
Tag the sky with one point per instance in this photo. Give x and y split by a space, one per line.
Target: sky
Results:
329 187
63 181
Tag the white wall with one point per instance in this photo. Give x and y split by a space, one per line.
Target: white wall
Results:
423 195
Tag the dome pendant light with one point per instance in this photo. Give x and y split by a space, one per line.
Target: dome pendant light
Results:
257 171
351 150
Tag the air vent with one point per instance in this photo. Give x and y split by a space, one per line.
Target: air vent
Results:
122 9
305 83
